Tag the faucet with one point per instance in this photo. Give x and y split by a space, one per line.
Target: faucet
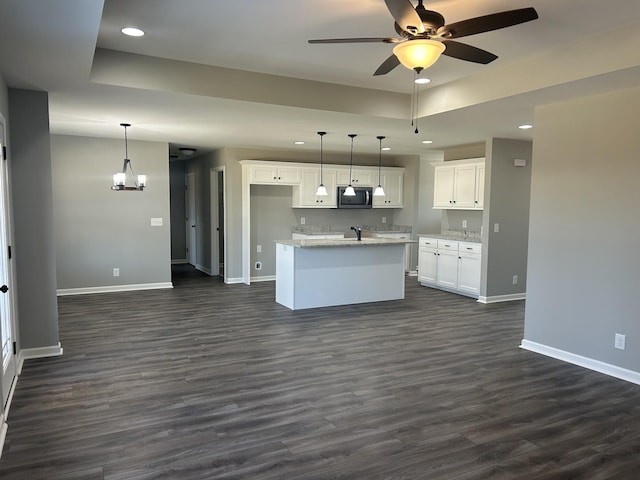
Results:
358 231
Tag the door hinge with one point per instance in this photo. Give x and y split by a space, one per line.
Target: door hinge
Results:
15 348
9 251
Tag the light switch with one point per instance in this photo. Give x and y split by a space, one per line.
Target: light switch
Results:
156 222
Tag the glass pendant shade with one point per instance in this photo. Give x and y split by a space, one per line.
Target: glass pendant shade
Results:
419 54
322 190
349 192
379 191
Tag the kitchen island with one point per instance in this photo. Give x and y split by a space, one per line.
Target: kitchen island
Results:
320 273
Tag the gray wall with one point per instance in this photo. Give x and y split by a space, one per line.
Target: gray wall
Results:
35 261
582 283
177 170
506 202
98 229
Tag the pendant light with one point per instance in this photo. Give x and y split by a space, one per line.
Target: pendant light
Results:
349 191
120 179
379 191
322 190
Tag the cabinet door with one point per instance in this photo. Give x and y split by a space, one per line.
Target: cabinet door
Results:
479 201
464 188
263 174
427 265
304 195
393 184
360 176
447 269
289 175
469 273
443 187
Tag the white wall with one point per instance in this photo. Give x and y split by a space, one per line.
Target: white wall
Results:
582 283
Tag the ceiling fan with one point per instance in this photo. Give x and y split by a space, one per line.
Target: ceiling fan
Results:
426 31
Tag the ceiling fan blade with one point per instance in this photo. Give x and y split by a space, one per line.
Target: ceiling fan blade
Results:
487 23
388 65
405 15
462 51
357 40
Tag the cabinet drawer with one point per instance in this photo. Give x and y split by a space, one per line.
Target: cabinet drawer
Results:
428 242
447 245
468 247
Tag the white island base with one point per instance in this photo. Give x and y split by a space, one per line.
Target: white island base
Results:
320 273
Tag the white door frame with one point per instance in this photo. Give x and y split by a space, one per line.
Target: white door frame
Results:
214 174
9 364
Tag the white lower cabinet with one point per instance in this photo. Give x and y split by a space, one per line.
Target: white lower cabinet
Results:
450 265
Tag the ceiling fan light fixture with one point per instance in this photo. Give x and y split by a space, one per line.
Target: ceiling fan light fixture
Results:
418 54
187 151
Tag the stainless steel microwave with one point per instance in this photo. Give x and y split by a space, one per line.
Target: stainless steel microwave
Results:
362 198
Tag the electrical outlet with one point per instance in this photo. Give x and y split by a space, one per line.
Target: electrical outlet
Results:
384 219
302 220
156 222
515 279
258 265
116 272
619 341
259 248
496 227
464 224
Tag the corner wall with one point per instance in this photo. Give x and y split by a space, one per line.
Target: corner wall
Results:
582 284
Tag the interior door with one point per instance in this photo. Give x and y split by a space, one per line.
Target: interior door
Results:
215 222
191 219
6 294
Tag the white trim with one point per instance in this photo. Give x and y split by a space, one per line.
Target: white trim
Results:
113 288
3 433
179 261
503 298
412 273
204 269
10 397
590 363
39 352
230 280
265 278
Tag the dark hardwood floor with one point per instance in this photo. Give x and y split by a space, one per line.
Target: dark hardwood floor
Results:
214 381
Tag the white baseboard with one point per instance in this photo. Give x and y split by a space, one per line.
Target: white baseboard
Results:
179 261
412 273
232 280
266 278
113 288
39 352
204 269
503 298
3 433
586 362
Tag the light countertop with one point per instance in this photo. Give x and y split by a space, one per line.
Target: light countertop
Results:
346 242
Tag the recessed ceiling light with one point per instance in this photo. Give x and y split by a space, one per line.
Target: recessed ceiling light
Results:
525 127
427 141
422 80
132 31
386 148
298 142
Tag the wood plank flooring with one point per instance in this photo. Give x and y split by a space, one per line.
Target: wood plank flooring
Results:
214 381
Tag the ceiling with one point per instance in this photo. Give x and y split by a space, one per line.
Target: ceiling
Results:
230 73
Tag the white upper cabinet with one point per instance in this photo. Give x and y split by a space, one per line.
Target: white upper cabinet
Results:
265 173
304 195
360 176
459 185
392 181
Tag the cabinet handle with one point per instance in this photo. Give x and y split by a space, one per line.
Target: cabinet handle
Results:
469 248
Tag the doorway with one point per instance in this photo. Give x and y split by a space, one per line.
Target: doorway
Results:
191 225
218 221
